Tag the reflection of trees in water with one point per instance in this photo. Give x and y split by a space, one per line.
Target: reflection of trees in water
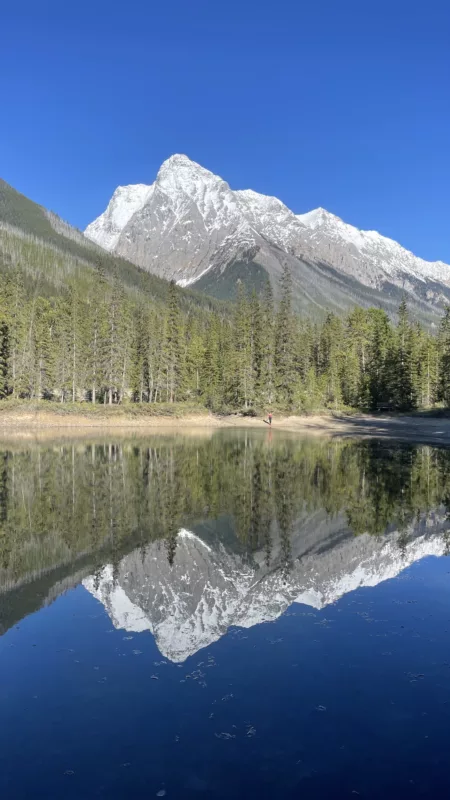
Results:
285 504
62 501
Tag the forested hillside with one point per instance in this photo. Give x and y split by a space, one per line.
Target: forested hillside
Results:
69 332
52 255
78 324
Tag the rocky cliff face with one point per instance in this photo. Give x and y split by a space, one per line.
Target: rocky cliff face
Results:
191 227
367 255
178 226
208 589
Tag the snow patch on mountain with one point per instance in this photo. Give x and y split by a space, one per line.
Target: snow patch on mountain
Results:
184 282
126 200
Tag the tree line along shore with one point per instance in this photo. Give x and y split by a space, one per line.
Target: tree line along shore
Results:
95 342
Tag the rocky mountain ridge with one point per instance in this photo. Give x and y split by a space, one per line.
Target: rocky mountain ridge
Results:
191 227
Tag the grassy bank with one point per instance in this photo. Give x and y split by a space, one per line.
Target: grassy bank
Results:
42 408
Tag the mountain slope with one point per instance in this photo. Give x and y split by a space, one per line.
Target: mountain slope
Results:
367 255
185 217
125 201
191 227
52 252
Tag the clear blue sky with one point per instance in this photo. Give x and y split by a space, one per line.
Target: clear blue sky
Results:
339 103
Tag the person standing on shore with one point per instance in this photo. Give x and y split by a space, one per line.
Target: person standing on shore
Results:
270 418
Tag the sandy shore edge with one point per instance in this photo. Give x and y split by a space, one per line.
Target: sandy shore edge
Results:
410 428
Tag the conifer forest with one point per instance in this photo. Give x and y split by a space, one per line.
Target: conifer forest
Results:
76 333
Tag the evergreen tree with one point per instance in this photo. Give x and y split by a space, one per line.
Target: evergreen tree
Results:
62 339
380 346
429 370
256 347
117 343
195 353
139 369
210 370
241 379
173 351
356 390
97 338
75 354
4 359
14 309
284 343
402 361
332 352
444 358
265 379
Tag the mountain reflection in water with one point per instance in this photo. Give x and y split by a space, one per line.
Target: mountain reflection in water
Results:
186 537
121 561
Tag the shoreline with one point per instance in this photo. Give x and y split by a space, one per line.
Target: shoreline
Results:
19 422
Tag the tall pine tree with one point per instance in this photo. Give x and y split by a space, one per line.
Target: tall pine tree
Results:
284 343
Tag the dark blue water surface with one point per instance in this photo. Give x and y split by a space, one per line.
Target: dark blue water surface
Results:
163 650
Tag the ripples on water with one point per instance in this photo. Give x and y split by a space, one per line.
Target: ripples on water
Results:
234 616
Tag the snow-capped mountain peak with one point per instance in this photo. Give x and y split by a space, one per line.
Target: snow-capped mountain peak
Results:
181 168
189 222
181 180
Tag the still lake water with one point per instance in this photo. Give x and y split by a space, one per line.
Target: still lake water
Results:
224 616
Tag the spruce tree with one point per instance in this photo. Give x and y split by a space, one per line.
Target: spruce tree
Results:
380 350
62 340
139 363
195 352
417 366
74 340
241 386
97 337
332 352
173 351
256 346
15 311
116 343
402 362
355 368
210 373
429 369
284 343
444 358
44 351
4 358
266 380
